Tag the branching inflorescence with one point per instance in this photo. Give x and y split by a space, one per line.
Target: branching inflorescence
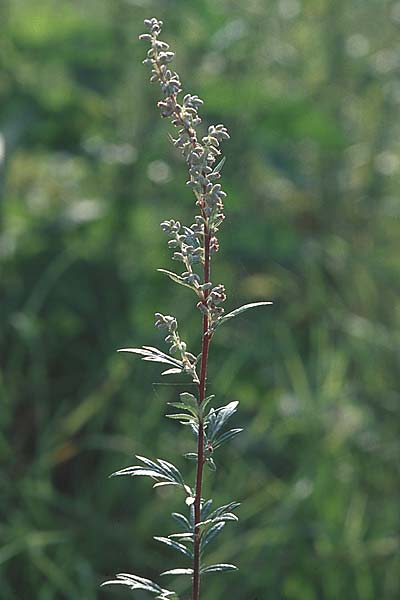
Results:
194 246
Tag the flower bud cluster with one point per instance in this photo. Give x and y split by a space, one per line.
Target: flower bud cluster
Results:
188 242
203 176
200 156
166 322
177 345
214 245
195 244
210 306
189 248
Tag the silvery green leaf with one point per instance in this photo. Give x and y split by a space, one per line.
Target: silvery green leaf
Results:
207 401
206 509
216 418
162 483
182 520
178 572
139 583
132 471
222 510
189 404
177 278
211 464
225 437
158 354
154 355
183 418
189 400
175 545
169 467
238 311
211 534
179 405
182 536
173 371
219 166
188 490
227 517
203 524
205 286
161 470
195 429
190 455
218 567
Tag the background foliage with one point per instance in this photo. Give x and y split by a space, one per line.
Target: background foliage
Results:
310 93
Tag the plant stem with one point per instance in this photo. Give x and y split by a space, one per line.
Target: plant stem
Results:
206 338
200 445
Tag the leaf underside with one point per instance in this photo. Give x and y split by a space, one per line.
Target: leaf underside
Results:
238 311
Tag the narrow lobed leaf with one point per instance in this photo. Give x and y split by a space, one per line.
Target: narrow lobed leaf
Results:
218 567
177 279
178 572
217 418
175 545
238 311
211 534
225 437
138 583
182 520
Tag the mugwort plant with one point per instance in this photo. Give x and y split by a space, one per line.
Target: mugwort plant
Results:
195 247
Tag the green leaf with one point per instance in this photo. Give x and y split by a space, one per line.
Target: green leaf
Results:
190 401
177 405
218 567
182 417
175 545
238 311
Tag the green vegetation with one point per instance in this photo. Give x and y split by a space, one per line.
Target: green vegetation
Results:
309 91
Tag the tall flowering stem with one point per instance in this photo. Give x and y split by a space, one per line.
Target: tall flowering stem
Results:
200 158
194 247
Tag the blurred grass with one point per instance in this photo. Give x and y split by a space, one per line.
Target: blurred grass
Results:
310 93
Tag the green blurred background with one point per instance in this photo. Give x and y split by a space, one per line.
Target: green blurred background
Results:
310 92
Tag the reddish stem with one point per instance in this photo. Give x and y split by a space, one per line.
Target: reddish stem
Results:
200 441
203 372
